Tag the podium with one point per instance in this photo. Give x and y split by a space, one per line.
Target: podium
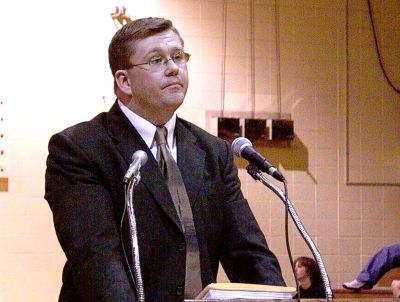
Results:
376 299
377 294
382 294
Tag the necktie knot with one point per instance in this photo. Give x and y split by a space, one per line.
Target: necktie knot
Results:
161 136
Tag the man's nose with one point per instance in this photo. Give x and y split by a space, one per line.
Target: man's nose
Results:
171 67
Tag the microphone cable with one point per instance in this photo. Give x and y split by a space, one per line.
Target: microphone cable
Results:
287 239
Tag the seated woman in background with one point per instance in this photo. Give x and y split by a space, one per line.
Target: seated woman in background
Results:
309 278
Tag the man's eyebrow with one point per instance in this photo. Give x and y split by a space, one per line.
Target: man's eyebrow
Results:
155 50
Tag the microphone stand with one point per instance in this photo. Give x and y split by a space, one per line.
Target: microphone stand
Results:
129 184
258 175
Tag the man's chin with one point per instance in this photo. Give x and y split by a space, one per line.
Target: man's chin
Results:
176 103
175 99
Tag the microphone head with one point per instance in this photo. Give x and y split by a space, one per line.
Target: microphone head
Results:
239 144
140 156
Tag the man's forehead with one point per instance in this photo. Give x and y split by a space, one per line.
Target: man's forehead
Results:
160 41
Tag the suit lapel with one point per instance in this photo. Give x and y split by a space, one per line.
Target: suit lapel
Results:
128 140
190 161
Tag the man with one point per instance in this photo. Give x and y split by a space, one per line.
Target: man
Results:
84 188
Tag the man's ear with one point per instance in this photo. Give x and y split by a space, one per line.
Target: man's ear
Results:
123 82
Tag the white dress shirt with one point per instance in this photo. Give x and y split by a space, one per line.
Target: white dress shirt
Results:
147 130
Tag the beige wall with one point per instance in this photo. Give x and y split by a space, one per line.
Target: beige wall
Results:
54 73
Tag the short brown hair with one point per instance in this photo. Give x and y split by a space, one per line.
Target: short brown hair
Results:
311 268
121 47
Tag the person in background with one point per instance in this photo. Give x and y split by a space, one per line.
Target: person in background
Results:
309 278
383 261
190 212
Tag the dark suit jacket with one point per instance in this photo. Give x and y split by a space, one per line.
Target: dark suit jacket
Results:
84 188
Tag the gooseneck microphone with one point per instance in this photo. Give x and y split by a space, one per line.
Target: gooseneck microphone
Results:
131 179
139 158
242 147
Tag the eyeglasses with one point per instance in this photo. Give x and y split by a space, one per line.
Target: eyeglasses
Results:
158 63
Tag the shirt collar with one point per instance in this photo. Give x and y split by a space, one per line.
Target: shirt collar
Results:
147 129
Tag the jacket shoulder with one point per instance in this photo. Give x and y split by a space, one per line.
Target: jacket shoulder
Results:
203 137
82 129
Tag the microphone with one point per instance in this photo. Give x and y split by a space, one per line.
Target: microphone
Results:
242 147
139 158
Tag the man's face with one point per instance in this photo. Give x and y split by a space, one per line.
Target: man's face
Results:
156 94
